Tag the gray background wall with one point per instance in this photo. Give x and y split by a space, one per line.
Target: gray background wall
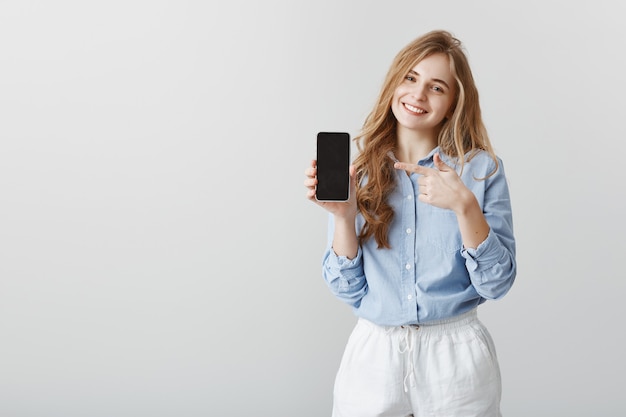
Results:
157 254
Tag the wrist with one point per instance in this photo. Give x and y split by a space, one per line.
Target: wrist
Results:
466 203
345 219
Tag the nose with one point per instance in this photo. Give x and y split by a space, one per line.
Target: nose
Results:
419 91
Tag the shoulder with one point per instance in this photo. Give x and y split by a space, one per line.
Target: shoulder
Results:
478 160
477 164
482 163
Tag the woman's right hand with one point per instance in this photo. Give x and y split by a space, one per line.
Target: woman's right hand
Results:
341 209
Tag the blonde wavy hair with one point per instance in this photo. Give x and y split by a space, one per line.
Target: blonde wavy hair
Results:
460 136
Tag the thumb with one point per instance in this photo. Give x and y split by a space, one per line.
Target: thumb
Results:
352 176
441 166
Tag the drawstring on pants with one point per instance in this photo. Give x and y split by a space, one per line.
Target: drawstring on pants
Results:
408 349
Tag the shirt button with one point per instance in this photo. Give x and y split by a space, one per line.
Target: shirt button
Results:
408 266
410 197
410 296
408 231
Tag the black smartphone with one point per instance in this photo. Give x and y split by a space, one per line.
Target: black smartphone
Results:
333 166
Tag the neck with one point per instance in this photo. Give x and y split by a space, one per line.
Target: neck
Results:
414 145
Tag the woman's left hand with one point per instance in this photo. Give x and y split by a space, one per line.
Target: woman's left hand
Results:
440 186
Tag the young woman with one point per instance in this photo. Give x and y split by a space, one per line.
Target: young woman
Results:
425 238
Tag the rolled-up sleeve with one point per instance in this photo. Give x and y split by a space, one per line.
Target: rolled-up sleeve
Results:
492 266
344 276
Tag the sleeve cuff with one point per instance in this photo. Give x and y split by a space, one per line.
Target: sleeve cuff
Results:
342 262
484 256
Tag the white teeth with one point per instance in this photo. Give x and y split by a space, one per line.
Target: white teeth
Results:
414 109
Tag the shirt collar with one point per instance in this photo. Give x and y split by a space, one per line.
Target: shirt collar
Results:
428 158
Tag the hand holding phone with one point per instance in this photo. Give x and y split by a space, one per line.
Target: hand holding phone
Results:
333 166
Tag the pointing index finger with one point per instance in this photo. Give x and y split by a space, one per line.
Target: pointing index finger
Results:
418 169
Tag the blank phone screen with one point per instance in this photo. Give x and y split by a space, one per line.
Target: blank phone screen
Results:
333 166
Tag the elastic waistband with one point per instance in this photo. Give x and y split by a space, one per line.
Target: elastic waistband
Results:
436 326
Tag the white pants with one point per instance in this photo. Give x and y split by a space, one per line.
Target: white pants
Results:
442 369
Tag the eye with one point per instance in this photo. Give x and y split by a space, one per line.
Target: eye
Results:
409 78
437 89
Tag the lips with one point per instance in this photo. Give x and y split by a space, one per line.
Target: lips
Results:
414 109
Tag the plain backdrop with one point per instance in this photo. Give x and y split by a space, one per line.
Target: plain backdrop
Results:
158 256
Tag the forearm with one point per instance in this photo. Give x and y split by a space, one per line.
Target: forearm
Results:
345 241
472 223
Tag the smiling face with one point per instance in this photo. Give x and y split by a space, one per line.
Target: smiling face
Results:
425 97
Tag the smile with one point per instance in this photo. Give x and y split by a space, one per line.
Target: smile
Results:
415 109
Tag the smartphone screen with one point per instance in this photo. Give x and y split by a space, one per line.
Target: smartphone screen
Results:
333 166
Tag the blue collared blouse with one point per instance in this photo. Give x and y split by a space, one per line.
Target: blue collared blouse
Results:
427 274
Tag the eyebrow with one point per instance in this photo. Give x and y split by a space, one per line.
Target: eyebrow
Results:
434 79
